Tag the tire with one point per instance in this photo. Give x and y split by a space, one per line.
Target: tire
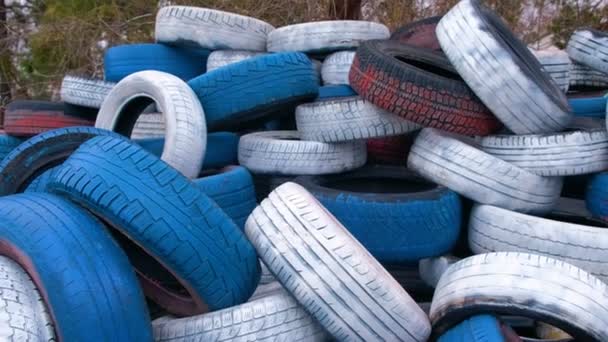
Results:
265 184
86 281
84 91
583 76
276 317
589 106
559 154
185 133
275 84
39 183
335 91
589 47
149 126
325 36
35 156
221 58
123 60
194 258
24 314
408 277
492 229
210 29
397 216
431 269
28 118
313 259
525 99
596 196
482 328
420 33
336 67
231 188
390 150
553 292
283 153
557 64
389 74
347 119
582 123
266 276
8 144
452 162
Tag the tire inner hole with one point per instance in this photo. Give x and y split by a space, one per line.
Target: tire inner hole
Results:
378 185
434 69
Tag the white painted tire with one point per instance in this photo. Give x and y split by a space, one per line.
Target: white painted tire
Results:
526 285
589 47
185 129
283 153
431 269
221 58
210 29
456 163
149 126
84 91
557 64
336 67
329 272
325 36
583 76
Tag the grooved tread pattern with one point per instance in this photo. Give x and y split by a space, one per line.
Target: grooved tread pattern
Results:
336 67
8 144
29 122
557 64
589 47
84 91
40 182
582 75
149 126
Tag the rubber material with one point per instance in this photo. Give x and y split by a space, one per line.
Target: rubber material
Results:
482 328
453 162
28 118
85 279
396 215
275 84
336 67
39 183
583 76
589 47
123 60
334 91
8 144
432 269
390 150
265 184
283 153
596 196
331 274
418 85
160 215
408 277
480 47
185 130
526 285
420 33
557 64
148 126
221 58
589 106
84 91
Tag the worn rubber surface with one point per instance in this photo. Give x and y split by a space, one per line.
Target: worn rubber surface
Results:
84 91
396 215
275 84
407 275
431 269
40 153
210 29
274 317
28 118
8 144
85 279
420 33
589 47
123 60
455 163
583 76
158 214
520 284
481 46
596 196
559 154
390 150
24 316
39 183
336 67
335 91
231 188
331 274
482 328
557 64
148 126
221 58
420 86
283 153
265 184
347 119
589 106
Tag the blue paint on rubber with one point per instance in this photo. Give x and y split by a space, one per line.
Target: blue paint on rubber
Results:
123 60
334 91
482 328
39 183
167 215
87 281
7 145
596 196
589 106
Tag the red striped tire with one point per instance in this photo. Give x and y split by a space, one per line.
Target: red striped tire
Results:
418 85
389 150
28 118
420 33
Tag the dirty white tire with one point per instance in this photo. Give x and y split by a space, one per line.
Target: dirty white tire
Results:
283 153
266 277
492 229
526 285
185 128
431 269
582 75
347 119
210 29
84 91
481 48
453 162
558 154
329 272
220 58
149 126
263 290
557 64
23 315
336 67
325 36
276 317
589 47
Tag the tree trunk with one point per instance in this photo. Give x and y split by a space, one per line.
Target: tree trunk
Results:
345 9
5 87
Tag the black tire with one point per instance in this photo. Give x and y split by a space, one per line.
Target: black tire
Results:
420 33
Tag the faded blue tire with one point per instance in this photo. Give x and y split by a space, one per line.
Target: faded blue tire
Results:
333 91
483 328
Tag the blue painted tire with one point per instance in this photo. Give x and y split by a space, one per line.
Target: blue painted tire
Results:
232 190
177 238
333 91
8 144
222 148
255 89
122 60
39 183
483 328
596 196
396 215
589 106
85 279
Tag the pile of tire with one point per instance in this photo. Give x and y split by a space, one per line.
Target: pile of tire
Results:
319 181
